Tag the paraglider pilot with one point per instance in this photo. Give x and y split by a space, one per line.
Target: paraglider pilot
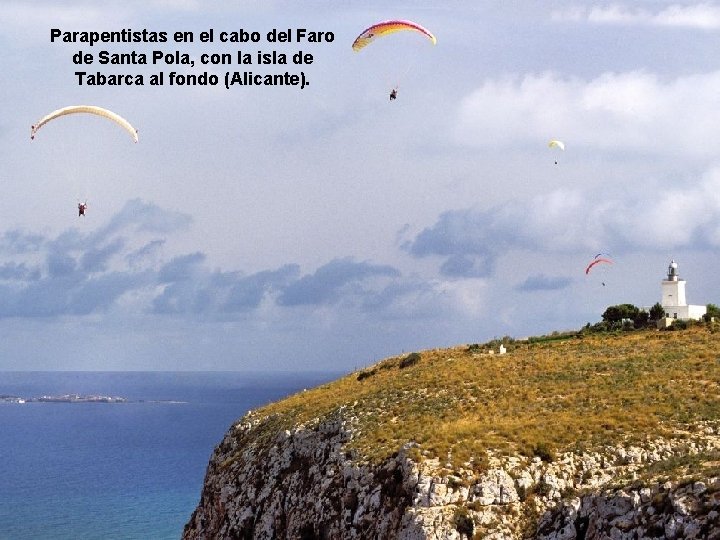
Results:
393 94
81 208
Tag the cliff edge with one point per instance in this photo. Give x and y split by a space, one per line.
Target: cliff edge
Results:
563 437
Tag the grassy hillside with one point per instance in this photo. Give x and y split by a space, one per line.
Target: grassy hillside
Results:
543 396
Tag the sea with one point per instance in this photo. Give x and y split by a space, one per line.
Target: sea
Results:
124 471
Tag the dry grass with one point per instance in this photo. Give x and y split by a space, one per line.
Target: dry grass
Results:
590 390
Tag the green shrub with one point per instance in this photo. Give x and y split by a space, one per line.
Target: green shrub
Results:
365 374
410 360
544 451
679 324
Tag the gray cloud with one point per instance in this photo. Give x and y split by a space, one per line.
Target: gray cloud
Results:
181 268
43 298
331 280
541 282
248 292
102 292
470 240
60 264
146 253
18 242
194 290
467 266
177 298
19 272
404 297
66 290
79 274
141 216
96 259
457 232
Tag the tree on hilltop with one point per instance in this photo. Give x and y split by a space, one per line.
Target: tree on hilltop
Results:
712 311
620 312
657 312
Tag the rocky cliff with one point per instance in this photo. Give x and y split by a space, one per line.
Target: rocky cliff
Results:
313 479
306 484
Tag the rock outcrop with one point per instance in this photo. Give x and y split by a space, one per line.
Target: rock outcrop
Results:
307 482
301 484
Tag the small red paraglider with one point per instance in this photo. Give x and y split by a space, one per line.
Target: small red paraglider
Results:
597 261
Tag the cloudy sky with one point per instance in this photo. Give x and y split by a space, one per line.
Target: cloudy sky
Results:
325 228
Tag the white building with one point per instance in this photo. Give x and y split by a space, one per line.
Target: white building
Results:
673 297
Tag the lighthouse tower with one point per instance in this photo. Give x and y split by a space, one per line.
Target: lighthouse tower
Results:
673 297
673 288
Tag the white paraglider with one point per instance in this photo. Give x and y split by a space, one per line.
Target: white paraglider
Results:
88 109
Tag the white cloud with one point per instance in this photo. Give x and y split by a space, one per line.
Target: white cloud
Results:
686 216
633 110
704 16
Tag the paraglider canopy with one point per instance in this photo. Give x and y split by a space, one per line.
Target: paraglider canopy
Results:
554 143
595 261
88 109
389 27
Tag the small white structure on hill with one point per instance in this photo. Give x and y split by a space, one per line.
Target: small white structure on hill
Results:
673 297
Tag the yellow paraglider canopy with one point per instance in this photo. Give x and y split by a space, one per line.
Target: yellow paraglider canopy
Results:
554 143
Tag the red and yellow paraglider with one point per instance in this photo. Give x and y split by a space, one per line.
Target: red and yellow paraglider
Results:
386 28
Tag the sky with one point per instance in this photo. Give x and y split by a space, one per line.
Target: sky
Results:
325 228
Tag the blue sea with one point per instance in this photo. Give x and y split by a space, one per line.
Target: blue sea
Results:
118 470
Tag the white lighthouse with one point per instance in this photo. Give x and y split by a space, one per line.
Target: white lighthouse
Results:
673 297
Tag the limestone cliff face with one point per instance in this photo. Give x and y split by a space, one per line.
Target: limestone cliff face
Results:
300 484
305 483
